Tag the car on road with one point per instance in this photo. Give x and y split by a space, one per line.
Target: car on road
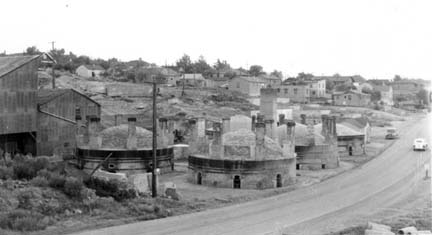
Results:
391 134
420 144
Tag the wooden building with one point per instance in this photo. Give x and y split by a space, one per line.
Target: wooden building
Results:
56 122
18 91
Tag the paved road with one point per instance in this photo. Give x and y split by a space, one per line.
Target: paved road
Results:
312 210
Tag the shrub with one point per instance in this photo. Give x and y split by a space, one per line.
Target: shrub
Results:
39 181
27 168
6 172
24 199
73 187
56 181
44 173
22 220
110 188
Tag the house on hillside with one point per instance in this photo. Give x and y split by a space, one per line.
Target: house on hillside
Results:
89 71
249 86
406 87
167 75
273 81
18 102
351 98
342 80
386 93
61 116
191 79
303 91
215 82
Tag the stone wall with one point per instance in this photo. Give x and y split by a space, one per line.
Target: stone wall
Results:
356 143
317 157
252 174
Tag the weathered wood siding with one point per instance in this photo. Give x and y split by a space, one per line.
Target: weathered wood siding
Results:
18 100
57 136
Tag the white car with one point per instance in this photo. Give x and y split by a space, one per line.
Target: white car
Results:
420 144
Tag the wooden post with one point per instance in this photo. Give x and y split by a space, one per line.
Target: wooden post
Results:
154 190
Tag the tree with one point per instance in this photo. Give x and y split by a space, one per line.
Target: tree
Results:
256 70
397 78
32 50
201 66
423 96
221 65
185 64
304 76
277 74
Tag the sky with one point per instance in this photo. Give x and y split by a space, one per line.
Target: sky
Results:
376 39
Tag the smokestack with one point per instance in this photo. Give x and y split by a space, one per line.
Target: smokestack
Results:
253 122
131 142
281 119
269 128
163 133
291 130
311 134
193 129
325 128
216 144
268 106
95 141
333 123
260 132
226 125
288 144
303 119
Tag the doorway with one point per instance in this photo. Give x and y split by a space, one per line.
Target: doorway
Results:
236 182
199 178
350 150
278 181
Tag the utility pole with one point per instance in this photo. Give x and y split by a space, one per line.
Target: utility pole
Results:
153 81
154 190
52 68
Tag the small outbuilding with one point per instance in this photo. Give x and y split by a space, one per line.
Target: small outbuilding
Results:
89 71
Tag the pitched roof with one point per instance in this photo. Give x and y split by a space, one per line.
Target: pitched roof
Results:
93 67
382 88
350 91
341 130
196 76
252 79
46 95
359 123
11 63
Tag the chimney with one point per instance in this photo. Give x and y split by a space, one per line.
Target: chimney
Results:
95 141
253 122
163 131
303 118
260 132
311 134
193 130
269 128
325 128
281 119
170 132
216 144
226 125
333 123
131 142
268 106
288 144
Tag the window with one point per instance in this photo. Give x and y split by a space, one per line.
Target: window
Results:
349 97
313 93
286 90
77 112
295 91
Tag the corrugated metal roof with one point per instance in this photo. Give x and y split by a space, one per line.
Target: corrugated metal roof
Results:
10 63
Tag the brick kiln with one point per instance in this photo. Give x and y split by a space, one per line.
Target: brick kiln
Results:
130 146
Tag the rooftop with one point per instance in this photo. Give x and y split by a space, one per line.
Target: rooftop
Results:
93 67
252 79
11 63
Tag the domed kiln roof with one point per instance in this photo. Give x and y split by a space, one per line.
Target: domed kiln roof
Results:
116 137
301 134
246 137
